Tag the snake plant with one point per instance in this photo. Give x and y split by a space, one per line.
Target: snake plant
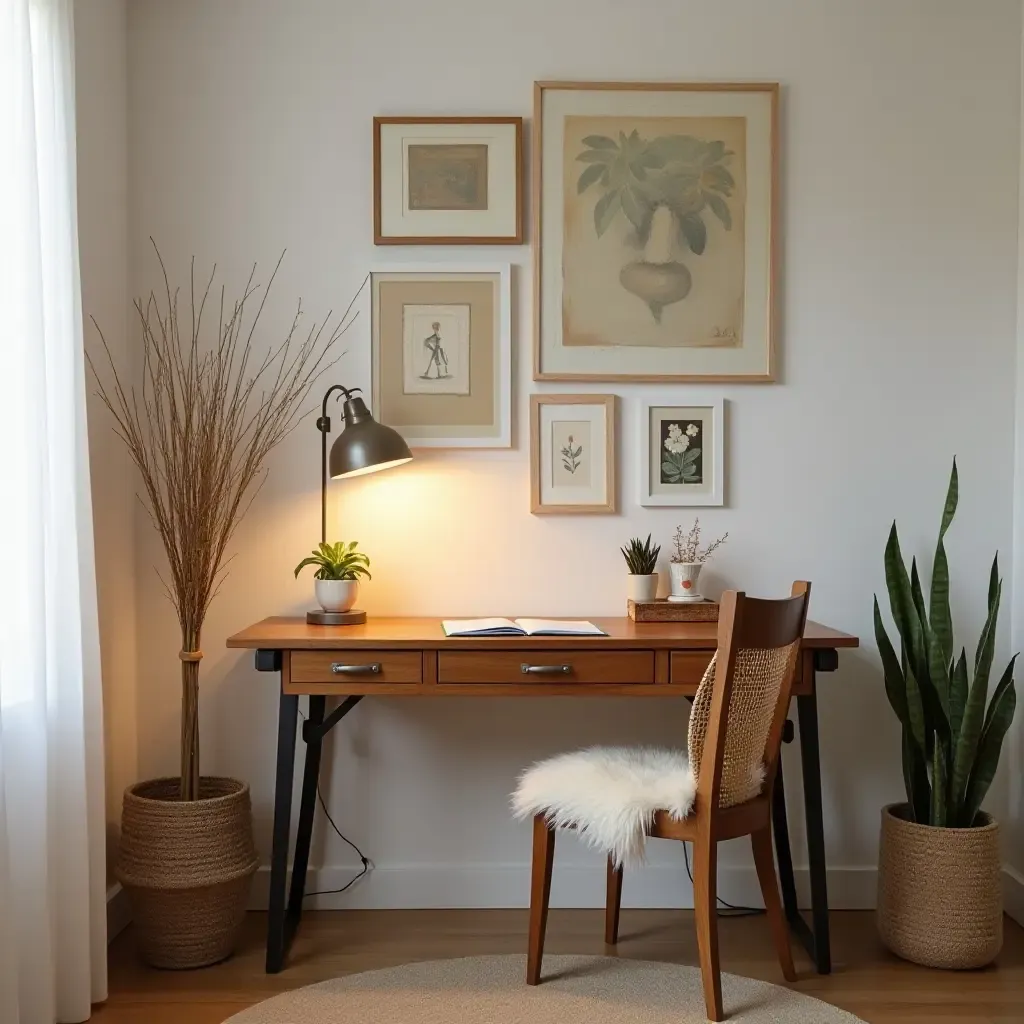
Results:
952 732
641 556
339 561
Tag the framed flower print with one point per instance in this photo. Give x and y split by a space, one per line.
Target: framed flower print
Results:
655 212
572 454
441 353
683 457
447 180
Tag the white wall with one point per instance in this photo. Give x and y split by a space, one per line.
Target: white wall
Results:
249 127
101 68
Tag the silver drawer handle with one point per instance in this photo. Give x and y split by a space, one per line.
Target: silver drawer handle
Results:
340 669
545 670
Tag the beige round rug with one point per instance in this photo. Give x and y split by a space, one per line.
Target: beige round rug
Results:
491 990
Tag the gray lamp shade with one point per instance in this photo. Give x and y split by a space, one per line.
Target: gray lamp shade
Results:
365 445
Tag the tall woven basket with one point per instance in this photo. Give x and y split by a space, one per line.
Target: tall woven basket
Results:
940 899
187 867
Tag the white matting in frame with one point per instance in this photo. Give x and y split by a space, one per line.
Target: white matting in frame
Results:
683 453
441 353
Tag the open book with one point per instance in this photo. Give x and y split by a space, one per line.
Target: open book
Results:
519 627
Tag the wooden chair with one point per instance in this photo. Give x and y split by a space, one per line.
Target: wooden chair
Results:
733 742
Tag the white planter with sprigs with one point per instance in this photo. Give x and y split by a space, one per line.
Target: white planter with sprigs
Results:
687 561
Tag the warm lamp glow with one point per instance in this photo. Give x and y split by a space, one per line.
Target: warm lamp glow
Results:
371 469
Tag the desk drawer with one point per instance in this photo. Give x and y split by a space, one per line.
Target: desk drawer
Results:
545 666
687 668
357 667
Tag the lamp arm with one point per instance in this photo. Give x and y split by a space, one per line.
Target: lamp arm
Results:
323 424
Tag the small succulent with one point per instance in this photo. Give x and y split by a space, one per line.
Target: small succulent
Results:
339 561
641 556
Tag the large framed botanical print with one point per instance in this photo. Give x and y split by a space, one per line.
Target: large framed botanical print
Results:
655 217
682 452
441 344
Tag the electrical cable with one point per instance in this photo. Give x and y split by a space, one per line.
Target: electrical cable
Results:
344 838
726 909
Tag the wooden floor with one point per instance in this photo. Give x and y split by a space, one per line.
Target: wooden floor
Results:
866 980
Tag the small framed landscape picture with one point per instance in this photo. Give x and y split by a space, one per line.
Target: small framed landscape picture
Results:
441 354
683 459
447 180
572 453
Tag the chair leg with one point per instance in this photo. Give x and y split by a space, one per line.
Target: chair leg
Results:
612 904
761 841
540 894
705 910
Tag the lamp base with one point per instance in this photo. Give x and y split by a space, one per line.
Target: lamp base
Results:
322 618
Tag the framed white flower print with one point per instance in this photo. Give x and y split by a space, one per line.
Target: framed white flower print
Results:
683 453
572 454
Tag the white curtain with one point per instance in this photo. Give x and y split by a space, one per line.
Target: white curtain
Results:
52 863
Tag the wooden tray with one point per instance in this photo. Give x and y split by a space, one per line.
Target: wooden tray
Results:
663 610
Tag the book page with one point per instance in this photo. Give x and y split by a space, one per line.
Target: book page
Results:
566 627
463 627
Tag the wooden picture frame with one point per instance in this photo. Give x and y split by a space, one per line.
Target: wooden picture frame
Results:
552 456
601 314
416 203
670 431
441 353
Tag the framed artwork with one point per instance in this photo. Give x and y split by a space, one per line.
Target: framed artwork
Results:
448 180
683 453
655 214
572 453
441 361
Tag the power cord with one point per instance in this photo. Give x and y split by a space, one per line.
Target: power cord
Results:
344 838
726 909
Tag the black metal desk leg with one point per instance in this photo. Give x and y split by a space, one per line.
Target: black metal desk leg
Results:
277 925
807 715
307 807
783 851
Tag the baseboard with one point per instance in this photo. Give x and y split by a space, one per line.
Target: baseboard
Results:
1013 893
119 911
494 886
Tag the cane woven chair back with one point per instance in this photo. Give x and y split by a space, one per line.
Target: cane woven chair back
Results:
742 701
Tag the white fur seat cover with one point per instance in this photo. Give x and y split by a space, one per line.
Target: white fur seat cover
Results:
608 794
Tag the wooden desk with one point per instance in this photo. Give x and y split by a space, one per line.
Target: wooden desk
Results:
412 657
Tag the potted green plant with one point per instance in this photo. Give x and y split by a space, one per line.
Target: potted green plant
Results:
336 580
642 561
688 559
939 889
199 417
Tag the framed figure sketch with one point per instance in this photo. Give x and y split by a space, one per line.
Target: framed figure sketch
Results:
655 214
683 453
572 454
447 180
441 344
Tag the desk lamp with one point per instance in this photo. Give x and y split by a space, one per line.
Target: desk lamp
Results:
363 446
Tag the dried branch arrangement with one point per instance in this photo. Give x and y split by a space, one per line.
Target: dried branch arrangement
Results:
206 412
687 546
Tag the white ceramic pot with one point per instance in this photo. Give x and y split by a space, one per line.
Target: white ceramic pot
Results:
642 588
684 581
336 595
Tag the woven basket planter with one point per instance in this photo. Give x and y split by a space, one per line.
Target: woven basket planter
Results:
187 867
940 901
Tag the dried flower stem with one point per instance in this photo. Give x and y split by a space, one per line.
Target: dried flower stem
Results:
687 546
199 428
